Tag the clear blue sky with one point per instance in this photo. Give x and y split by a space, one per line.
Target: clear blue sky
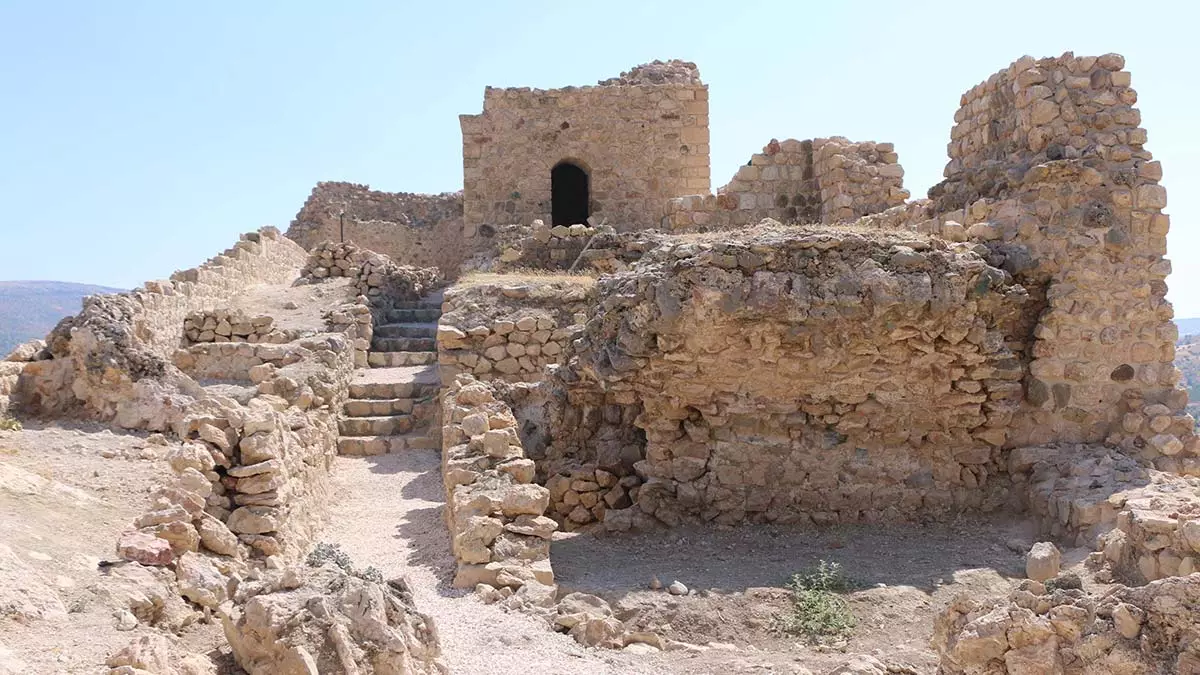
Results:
137 138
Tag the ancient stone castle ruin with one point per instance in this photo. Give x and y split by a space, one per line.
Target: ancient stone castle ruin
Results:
608 345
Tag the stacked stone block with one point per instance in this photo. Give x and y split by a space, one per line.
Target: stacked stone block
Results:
500 535
509 332
225 325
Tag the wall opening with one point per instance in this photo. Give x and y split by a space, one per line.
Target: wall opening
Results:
569 194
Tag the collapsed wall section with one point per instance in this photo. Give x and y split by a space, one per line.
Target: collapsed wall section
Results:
825 180
640 139
413 229
811 374
112 360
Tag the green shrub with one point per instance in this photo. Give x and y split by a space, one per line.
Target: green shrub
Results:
9 424
324 553
818 612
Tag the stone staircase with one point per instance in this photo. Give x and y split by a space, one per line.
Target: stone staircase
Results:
393 404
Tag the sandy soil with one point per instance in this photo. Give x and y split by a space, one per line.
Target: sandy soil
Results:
66 493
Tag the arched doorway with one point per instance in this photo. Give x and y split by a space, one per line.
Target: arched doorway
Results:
568 194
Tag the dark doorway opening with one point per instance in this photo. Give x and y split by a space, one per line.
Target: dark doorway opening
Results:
568 194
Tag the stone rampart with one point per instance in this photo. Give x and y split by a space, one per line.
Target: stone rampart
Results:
413 229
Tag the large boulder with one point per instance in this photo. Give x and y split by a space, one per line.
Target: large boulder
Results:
334 623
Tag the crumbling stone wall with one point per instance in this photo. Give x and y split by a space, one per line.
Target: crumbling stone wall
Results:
1144 524
1049 628
808 374
825 180
1049 172
112 360
508 331
377 278
642 139
500 535
412 229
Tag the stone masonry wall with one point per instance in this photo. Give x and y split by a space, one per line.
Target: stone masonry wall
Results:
225 325
1049 171
509 331
641 140
824 180
810 374
494 510
110 360
412 229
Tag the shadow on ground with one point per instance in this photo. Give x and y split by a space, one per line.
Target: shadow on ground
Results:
920 556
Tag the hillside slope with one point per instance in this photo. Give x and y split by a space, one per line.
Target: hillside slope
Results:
29 309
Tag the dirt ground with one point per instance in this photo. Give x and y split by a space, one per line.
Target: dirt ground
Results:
390 514
66 493
903 576
299 308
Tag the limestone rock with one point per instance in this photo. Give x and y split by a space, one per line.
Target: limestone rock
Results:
155 654
1043 561
216 537
200 581
353 624
145 548
598 632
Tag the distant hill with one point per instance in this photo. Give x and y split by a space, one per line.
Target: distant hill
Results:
29 309
1188 326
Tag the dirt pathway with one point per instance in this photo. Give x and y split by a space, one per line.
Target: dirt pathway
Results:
387 512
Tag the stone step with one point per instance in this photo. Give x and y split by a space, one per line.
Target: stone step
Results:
403 344
412 315
418 304
393 359
378 406
370 445
382 445
420 408
406 330
375 426
392 390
